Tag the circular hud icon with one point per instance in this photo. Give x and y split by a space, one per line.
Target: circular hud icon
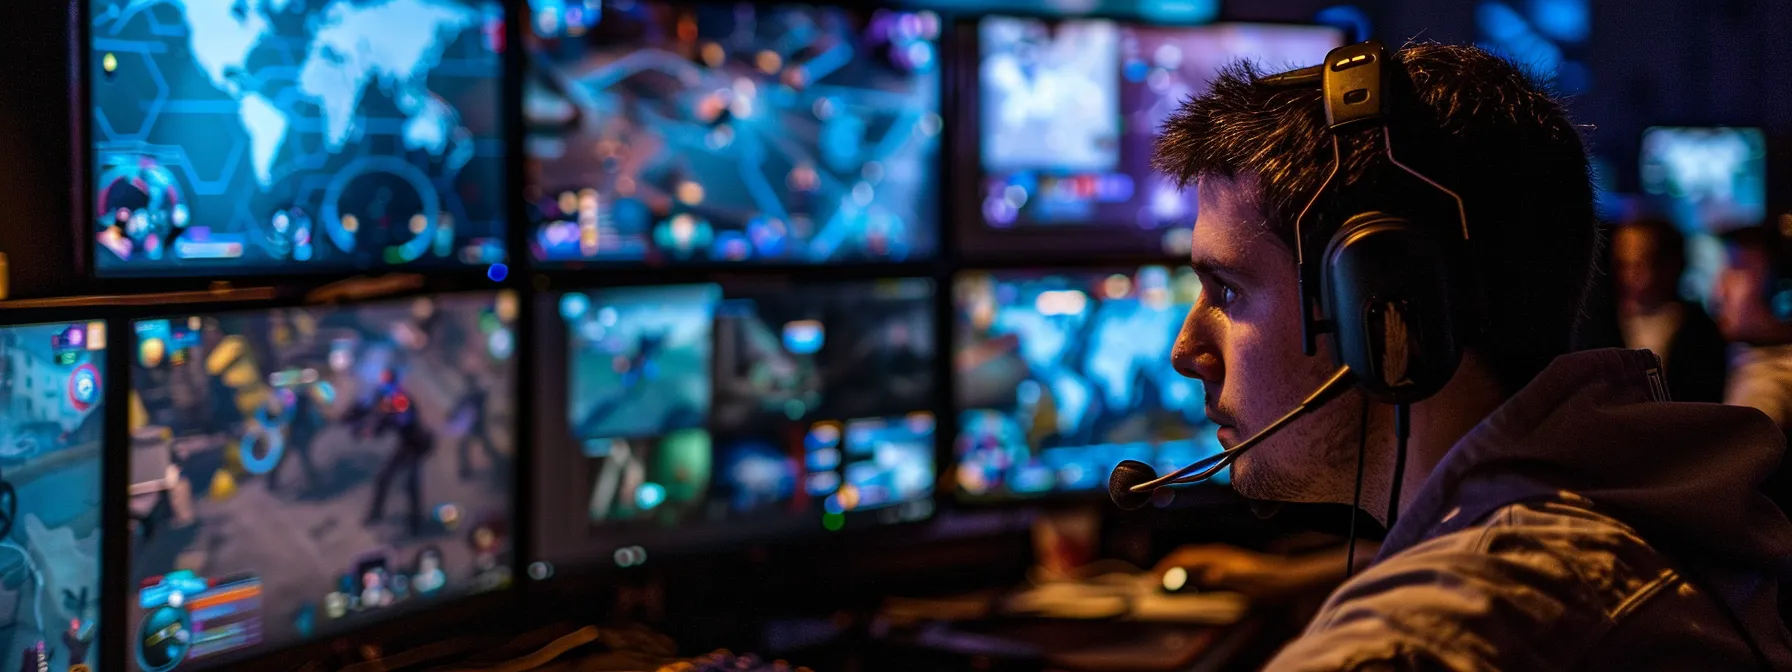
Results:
163 639
84 387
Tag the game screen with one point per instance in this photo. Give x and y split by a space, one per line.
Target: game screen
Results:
1712 180
1063 375
1715 179
52 427
741 411
293 136
297 473
673 132
1069 112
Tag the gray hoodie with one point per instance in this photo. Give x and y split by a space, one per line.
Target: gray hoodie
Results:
1586 524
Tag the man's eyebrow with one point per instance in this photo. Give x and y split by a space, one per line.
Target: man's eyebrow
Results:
1214 267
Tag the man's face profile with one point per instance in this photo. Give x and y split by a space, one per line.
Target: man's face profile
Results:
1242 340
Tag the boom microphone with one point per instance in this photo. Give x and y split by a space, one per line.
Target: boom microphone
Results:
1133 482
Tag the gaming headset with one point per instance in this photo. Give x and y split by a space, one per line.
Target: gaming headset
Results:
1395 290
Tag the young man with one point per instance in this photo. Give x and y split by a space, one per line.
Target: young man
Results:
1648 258
1557 513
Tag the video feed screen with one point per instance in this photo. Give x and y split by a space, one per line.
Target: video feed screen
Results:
746 412
298 473
675 132
1715 179
1063 375
1069 111
263 137
52 427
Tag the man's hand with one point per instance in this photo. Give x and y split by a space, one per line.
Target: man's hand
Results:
1263 576
1221 567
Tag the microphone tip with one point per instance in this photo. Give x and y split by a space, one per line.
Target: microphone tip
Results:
1127 474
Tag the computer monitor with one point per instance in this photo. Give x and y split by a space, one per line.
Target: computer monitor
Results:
272 137
1713 179
1067 113
681 132
1710 180
52 427
1061 375
299 473
701 417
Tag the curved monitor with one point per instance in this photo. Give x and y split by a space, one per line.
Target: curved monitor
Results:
682 132
270 137
299 473
52 425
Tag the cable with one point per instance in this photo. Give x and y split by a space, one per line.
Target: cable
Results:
1356 502
1402 429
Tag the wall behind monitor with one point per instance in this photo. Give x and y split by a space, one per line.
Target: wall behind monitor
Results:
36 143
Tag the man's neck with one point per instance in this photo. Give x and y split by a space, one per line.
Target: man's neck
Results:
1437 424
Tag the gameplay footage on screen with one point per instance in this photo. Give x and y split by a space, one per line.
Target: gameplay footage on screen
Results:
304 471
1061 376
1068 111
678 132
264 137
51 430
700 414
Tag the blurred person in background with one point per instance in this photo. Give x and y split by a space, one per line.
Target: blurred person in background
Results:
1752 279
1648 259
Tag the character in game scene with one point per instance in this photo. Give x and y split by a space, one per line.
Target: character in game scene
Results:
643 364
78 640
470 412
373 589
391 410
303 423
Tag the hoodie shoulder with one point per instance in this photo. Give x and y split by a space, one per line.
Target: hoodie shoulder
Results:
1534 586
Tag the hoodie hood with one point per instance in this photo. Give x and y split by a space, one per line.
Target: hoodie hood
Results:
1596 427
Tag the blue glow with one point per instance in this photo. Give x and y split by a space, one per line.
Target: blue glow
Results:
498 272
649 496
804 337
1349 18
1179 11
1563 20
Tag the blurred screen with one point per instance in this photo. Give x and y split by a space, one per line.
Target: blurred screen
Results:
1712 180
669 132
1070 109
702 416
52 426
291 136
1061 376
1715 179
297 473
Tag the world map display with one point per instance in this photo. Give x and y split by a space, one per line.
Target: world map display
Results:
278 136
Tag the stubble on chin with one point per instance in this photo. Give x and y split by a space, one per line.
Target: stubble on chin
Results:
1311 461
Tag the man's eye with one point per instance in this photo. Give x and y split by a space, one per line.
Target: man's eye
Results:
1223 294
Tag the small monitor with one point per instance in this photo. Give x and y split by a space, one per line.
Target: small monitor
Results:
1068 112
52 427
700 417
1061 375
274 137
680 132
299 473
1714 179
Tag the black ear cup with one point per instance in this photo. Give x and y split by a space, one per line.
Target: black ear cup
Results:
1391 289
